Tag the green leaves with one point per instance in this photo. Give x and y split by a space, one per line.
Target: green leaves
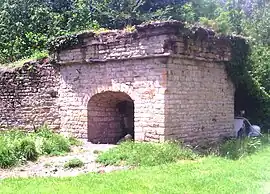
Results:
26 25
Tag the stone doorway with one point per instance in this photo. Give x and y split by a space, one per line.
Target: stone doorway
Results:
110 117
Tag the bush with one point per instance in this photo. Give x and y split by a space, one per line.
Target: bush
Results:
17 146
52 143
74 163
7 155
44 132
55 145
238 148
75 142
145 154
28 149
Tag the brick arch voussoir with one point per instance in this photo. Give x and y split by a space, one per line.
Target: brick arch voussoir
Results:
126 90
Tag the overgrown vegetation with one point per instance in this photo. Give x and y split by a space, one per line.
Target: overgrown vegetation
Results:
17 146
74 163
153 154
239 148
145 154
74 141
36 56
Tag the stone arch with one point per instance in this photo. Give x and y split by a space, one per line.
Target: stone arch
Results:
110 117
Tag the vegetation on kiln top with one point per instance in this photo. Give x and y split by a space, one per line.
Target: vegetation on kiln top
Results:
150 28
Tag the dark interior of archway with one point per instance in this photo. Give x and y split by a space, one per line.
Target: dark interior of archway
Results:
110 117
243 100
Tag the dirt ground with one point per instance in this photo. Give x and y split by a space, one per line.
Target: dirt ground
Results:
54 166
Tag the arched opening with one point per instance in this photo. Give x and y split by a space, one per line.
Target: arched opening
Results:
110 117
243 100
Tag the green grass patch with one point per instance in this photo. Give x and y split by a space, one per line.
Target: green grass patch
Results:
74 141
74 163
17 146
34 57
249 175
145 154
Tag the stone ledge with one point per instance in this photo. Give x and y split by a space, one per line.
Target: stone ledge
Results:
148 40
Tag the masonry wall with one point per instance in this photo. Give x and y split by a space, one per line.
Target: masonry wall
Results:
28 96
166 70
199 101
141 80
173 78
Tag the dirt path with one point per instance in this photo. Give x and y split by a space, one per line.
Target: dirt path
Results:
54 166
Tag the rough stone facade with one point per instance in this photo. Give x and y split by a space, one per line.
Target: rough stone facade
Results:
200 100
28 97
157 83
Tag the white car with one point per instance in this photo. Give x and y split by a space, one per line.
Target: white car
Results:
243 128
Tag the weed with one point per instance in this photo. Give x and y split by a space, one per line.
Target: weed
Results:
7 155
238 148
74 163
27 149
129 28
97 151
52 143
45 132
145 154
75 142
17 146
34 57
55 144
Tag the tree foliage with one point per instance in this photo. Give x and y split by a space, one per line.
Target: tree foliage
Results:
26 25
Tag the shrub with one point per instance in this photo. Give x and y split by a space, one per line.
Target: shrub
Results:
13 134
145 154
55 145
75 142
51 143
44 132
17 146
7 154
74 163
28 149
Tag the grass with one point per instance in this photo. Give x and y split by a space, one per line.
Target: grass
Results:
35 56
239 148
145 154
75 142
249 175
17 146
74 163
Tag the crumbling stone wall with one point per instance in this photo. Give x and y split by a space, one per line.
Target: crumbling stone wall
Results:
176 78
28 96
173 78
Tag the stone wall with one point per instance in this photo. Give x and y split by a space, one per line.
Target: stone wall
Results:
199 101
173 80
176 80
138 80
28 96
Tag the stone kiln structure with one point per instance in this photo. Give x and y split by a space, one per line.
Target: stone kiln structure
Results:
157 83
